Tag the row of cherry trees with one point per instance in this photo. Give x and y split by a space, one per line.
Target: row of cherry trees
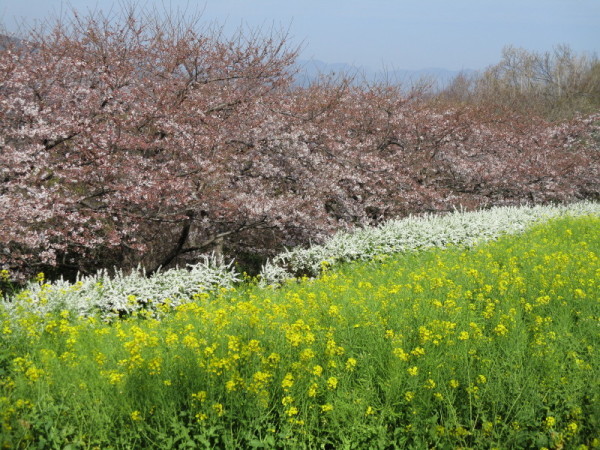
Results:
152 141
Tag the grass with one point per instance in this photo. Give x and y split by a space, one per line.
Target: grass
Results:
493 346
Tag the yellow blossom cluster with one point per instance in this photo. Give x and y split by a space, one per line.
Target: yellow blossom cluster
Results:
453 331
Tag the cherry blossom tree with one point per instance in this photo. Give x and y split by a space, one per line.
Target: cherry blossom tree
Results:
119 133
141 140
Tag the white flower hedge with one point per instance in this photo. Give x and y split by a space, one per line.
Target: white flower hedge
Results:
415 233
111 297
124 294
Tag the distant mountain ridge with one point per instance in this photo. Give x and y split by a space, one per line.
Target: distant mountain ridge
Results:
310 70
6 40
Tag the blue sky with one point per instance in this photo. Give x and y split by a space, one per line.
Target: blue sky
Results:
392 34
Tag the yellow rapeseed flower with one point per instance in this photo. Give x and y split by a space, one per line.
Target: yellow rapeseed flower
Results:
191 342
317 370
292 411
327 407
155 365
332 383
487 427
115 377
219 409
430 384
418 351
253 346
171 339
501 330
33 373
334 311
307 354
350 364
400 353
199 396
231 385
288 381
273 360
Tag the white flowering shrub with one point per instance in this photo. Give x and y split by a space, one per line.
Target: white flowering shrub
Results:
123 294
414 233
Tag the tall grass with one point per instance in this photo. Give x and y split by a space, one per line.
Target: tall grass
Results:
491 346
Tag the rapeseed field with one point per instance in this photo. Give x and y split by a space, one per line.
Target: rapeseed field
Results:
493 346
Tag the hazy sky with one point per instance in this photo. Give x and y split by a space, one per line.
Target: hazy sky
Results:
395 34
